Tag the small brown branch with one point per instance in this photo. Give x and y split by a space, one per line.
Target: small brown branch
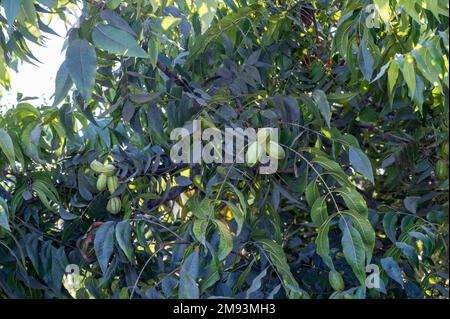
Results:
173 76
175 192
211 79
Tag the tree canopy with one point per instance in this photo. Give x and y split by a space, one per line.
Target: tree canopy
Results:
358 90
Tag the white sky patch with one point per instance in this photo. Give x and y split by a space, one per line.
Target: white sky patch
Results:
39 80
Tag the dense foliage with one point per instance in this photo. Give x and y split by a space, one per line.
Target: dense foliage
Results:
357 88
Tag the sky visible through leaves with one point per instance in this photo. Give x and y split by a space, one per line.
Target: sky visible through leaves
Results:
38 80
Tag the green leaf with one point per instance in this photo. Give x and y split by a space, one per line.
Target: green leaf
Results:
7 146
188 277
382 71
238 215
153 47
279 260
202 209
334 169
46 193
27 17
30 140
361 163
104 244
365 60
392 78
323 243
435 8
354 252
206 10
312 193
4 215
32 249
230 21
427 242
390 225
117 21
319 211
169 22
144 98
256 284
242 199
321 101
392 269
409 7
226 240
212 278
354 201
117 41
243 276
341 97
366 231
155 4
384 10
113 4
409 252
123 238
426 66
82 65
409 73
63 84
411 203
11 8
199 229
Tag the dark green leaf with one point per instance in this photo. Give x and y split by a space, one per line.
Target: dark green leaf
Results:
354 252
81 63
361 163
392 269
104 244
117 41
123 238
321 101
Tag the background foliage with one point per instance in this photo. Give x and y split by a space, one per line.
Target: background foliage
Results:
358 90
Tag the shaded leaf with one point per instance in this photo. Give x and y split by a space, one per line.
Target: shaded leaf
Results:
7 146
361 163
188 288
319 211
117 41
226 240
63 84
392 269
321 101
354 252
82 65
4 216
390 225
123 238
199 229
11 8
104 244
256 284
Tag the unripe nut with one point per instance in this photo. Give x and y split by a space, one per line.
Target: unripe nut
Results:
101 168
96 166
101 182
114 205
113 183
263 134
254 153
109 169
336 280
276 151
441 169
444 150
